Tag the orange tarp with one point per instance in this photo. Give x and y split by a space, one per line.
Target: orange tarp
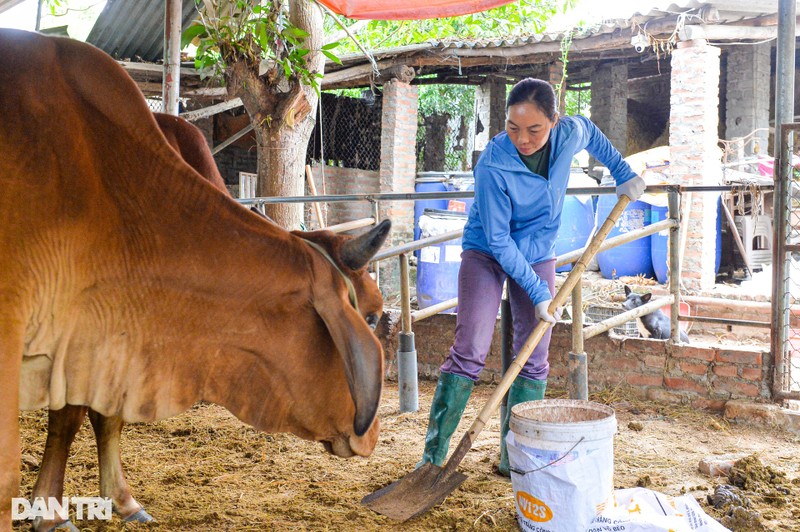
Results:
409 9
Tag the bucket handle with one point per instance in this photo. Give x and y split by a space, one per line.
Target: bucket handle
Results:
520 472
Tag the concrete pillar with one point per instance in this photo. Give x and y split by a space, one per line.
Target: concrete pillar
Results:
694 155
398 169
610 103
490 113
747 92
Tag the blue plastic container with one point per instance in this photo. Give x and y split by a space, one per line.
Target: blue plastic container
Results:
438 265
428 184
659 243
633 258
577 226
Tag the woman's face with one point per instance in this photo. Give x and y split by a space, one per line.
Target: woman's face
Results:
528 127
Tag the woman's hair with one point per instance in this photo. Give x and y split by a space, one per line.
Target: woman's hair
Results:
535 91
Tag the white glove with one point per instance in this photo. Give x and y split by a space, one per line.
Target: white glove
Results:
541 312
633 188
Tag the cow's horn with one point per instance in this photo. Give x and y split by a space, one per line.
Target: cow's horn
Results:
357 252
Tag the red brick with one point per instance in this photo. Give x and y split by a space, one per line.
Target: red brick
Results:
622 363
698 353
726 371
654 361
694 369
644 380
736 388
689 385
751 374
664 396
709 404
739 357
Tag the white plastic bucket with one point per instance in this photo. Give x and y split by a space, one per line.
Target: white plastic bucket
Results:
561 453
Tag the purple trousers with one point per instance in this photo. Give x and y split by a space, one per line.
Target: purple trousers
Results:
480 288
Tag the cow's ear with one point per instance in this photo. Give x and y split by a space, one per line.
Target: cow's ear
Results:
627 290
356 253
361 351
646 298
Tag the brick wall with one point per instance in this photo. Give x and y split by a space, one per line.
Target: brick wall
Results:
339 180
398 169
610 103
704 377
694 155
747 93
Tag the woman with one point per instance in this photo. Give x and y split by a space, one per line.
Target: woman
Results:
520 183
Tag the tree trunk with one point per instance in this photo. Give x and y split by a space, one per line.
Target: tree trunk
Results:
283 117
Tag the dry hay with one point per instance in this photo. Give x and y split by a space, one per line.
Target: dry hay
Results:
205 470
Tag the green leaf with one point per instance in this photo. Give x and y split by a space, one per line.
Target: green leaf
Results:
297 33
331 45
332 57
195 30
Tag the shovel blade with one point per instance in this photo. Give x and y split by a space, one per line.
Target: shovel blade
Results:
415 493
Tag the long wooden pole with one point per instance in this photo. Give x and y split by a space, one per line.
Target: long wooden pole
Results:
313 188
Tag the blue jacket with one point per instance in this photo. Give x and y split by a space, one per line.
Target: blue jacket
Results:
517 213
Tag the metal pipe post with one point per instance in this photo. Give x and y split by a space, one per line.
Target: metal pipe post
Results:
406 350
674 203
170 91
784 114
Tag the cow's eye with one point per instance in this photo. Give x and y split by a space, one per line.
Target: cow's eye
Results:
372 320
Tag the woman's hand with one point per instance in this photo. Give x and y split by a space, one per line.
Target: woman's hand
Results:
633 188
542 313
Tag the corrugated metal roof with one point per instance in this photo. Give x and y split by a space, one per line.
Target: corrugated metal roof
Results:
134 29
714 12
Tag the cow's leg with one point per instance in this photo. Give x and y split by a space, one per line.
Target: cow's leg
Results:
107 431
10 364
62 426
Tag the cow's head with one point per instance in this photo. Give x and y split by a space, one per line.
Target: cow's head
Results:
351 305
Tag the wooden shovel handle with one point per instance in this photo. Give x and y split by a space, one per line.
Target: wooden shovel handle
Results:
533 340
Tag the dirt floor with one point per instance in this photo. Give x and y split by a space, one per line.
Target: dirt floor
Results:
205 470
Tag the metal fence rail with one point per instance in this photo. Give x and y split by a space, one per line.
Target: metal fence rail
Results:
577 379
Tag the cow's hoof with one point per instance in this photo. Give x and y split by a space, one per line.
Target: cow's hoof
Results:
139 517
66 525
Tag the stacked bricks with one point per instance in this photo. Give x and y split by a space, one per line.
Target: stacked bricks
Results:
398 169
338 180
694 155
610 102
490 110
747 94
701 376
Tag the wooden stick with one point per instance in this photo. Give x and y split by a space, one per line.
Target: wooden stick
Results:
313 190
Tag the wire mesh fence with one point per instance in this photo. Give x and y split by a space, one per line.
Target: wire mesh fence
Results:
348 130
791 352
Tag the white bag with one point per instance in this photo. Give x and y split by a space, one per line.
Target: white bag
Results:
644 510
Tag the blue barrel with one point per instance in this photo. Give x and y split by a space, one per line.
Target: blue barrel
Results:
659 244
577 226
434 183
438 265
633 258
457 182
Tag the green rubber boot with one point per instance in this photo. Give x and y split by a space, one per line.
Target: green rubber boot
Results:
521 390
449 402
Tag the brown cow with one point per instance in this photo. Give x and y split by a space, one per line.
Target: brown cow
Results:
64 424
132 286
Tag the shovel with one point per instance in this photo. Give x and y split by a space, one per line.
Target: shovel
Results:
428 485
